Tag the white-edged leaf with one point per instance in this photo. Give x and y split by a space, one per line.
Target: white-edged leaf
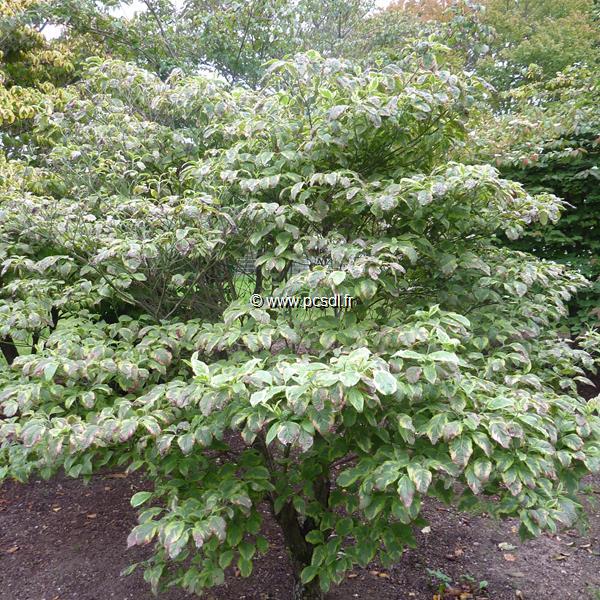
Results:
139 498
406 490
385 382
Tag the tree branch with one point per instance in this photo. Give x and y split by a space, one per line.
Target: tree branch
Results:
9 350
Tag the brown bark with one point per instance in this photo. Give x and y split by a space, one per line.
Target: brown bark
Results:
300 553
294 533
308 591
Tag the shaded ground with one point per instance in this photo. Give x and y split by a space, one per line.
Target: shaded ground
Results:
60 540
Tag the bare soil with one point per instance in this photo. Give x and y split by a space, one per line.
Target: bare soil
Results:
62 540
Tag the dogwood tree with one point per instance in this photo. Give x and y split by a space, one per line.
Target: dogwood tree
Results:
130 340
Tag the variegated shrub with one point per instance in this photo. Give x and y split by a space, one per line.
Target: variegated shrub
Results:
123 238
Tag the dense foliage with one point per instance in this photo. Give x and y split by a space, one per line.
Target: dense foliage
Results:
536 40
511 42
123 239
32 72
234 38
551 142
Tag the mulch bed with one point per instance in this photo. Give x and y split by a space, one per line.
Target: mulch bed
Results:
61 540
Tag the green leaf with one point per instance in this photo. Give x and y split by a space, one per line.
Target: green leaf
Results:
355 399
483 442
50 370
472 480
376 505
198 367
218 526
139 498
11 408
309 573
225 559
336 111
172 533
296 189
262 396
500 403
246 550
499 433
413 374
186 442
344 526
406 490
272 433
461 449
347 478
337 277
32 433
435 427
365 289
349 378
365 550
386 474
443 356
262 545
405 422
452 430
430 373
288 433
420 477
314 537
245 567
385 382
235 533
142 534
129 570
327 339
162 356
482 468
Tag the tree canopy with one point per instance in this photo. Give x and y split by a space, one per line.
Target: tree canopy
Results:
156 198
32 72
122 250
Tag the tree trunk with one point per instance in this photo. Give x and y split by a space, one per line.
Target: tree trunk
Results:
7 344
307 591
294 532
300 553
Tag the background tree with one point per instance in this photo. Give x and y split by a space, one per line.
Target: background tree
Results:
511 42
425 10
234 39
539 39
451 33
32 71
550 141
